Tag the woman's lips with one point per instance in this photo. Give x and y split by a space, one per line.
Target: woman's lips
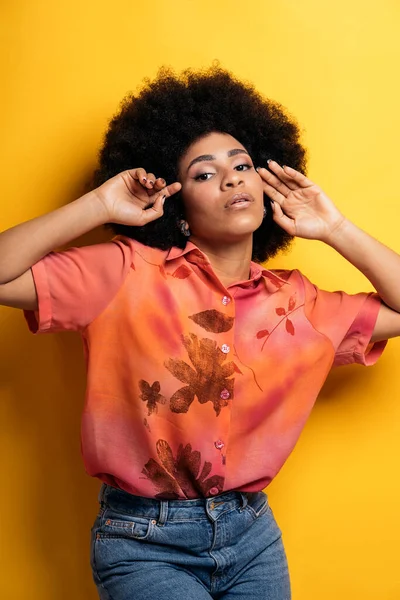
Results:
238 201
239 205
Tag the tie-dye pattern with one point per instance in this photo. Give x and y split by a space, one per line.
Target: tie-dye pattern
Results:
192 388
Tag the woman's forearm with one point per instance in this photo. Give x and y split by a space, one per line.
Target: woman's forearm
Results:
25 244
377 262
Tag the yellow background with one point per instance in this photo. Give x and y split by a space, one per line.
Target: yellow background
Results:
65 67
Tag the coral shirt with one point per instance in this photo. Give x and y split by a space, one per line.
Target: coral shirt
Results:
194 388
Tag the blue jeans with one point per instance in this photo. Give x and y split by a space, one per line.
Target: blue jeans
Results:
227 547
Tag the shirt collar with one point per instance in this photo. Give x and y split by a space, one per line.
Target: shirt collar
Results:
176 252
193 254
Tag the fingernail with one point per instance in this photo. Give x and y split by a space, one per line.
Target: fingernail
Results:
151 181
269 160
144 179
163 200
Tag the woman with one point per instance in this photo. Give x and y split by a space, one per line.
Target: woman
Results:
203 366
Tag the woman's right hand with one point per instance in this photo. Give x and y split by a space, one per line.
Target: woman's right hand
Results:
134 197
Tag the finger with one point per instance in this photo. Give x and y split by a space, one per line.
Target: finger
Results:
138 174
274 181
172 189
159 184
291 175
151 178
273 193
281 174
156 210
283 220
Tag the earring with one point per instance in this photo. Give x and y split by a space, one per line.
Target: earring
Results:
264 212
184 227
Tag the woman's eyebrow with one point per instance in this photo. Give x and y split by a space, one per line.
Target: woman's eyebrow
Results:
207 157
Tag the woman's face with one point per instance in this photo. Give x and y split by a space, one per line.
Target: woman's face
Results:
221 190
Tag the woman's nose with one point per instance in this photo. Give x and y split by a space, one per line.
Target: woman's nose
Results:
232 179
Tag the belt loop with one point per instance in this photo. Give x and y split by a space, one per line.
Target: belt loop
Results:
102 493
163 512
245 500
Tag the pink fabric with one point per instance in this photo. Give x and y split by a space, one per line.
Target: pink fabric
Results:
194 389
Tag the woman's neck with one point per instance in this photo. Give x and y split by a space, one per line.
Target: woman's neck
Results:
230 262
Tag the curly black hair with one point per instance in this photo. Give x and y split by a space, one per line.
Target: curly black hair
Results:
154 129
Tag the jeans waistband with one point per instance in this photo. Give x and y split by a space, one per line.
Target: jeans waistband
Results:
123 501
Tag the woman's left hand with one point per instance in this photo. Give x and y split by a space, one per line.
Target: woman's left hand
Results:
299 206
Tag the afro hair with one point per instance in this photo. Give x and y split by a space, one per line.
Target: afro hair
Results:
154 128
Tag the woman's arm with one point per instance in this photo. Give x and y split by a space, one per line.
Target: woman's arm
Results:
24 245
132 197
301 208
380 265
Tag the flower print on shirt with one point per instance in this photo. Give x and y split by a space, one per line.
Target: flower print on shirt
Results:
151 395
174 477
208 380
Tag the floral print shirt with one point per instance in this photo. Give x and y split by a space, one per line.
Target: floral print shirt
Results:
194 388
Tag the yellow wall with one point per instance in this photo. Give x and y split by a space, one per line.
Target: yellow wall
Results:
65 68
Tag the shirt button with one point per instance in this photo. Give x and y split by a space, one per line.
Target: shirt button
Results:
225 300
225 348
219 444
224 394
214 491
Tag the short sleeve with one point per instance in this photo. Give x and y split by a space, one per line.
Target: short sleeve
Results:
348 320
76 285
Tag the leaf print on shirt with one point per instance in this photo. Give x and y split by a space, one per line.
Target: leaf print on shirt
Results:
278 283
151 395
262 333
207 379
174 477
213 320
182 272
281 312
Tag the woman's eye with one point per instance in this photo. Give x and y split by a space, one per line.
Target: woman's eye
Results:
207 176
202 177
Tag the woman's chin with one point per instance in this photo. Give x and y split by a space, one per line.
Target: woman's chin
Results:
244 227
